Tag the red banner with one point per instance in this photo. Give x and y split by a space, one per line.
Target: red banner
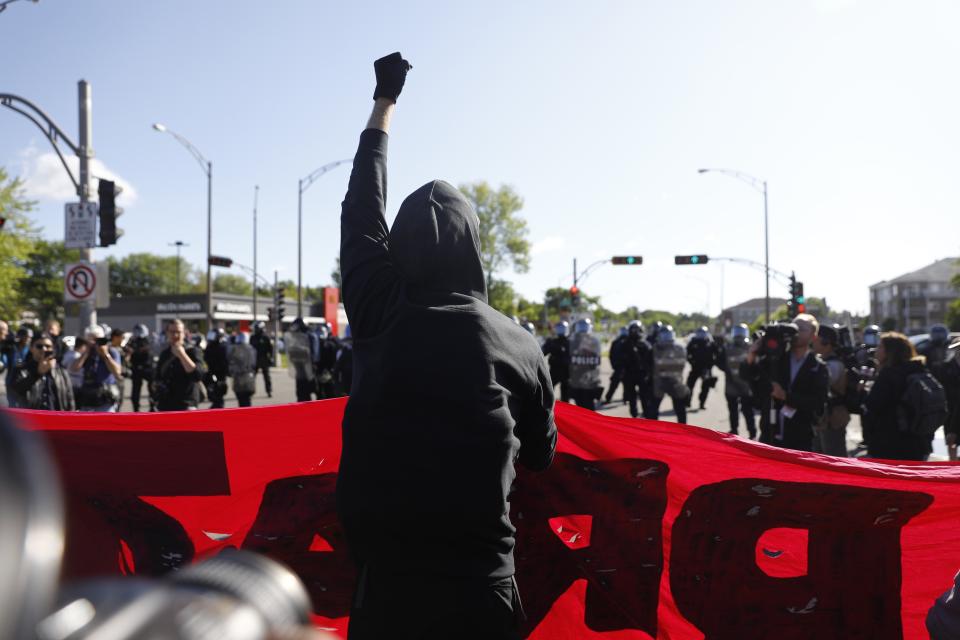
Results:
639 529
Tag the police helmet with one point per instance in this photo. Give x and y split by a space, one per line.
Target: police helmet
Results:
212 335
829 334
584 325
666 335
702 333
25 332
241 338
741 333
141 331
107 330
532 330
871 336
623 332
323 331
93 332
656 328
258 326
561 328
635 328
939 334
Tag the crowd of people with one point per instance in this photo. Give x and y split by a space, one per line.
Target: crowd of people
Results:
803 381
173 371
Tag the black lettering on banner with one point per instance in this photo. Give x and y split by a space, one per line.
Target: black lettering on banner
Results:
852 584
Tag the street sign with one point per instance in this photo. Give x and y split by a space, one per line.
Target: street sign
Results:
80 225
80 282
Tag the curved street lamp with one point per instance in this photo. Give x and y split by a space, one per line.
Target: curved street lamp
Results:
207 168
761 186
302 185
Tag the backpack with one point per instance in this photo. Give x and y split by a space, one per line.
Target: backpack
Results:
923 406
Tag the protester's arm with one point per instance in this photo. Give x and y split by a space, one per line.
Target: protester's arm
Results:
113 364
196 359
365 266
25 376
535 427
79 361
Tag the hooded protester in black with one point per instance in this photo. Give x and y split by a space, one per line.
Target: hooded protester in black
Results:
447 393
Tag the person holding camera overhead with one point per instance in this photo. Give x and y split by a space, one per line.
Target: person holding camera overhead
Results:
797 380
179 373
100 365
40 382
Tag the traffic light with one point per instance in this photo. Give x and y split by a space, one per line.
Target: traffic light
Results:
269 314
574 296
109 212
797 302
697 259
220 261
627 260
278 297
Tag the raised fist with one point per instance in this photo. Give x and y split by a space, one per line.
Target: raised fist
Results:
391 73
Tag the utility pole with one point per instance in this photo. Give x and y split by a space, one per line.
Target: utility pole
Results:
178 244
276 323
88 309
256 193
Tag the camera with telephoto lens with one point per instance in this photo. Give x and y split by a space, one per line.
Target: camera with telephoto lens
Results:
774 341
860 368
237 594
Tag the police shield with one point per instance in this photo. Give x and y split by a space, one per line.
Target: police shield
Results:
584 361
668 362
299 360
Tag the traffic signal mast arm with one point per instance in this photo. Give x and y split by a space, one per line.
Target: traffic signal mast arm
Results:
49 128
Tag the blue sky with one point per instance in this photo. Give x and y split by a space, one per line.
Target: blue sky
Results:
598 114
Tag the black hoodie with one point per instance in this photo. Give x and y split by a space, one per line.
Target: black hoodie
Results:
447 392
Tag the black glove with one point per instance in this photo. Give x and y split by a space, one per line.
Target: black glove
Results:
391 73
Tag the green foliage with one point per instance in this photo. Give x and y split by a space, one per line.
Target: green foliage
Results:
502 297
16 241
503 234
41 290
144 274
953 316
232 283
335 274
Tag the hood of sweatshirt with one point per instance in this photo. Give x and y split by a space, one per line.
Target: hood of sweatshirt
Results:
435 241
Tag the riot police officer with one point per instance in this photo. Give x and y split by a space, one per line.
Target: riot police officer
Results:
140 353
218 367
701 355
263 345
616 363
737 390
669 359
936 348
585 386
654 331
557 350
637 370
302 347
325 361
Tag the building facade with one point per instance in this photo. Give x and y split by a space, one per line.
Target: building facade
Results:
747 312
911 303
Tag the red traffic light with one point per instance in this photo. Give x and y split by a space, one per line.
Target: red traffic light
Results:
574 291
801 308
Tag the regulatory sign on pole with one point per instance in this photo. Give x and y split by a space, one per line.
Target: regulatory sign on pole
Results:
80 225
80 282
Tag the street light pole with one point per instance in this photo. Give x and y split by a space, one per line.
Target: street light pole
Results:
178 244
256 193
302 185
761 186
88 310
207 168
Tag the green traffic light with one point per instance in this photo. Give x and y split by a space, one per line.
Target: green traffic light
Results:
801 300
694 259
631 260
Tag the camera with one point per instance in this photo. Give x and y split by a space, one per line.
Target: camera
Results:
102 341
236 594
774 341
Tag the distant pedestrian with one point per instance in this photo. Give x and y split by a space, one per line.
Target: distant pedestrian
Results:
52 328
16 351
218 370
5 343
41 383
140 355
179 374
242 360
263 345
737 390
557 351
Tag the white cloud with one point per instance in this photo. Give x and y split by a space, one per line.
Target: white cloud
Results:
548 244
44 177
833 6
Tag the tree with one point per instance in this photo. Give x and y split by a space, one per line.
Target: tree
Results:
145 274
41 290
503 234
502 297
335 275
232 283
17 238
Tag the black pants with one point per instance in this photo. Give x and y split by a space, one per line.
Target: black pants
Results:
632 390
586 398
679 408
615 379
138 378
266 377
564 387
696 374
243 399
737 404
305 389
418 607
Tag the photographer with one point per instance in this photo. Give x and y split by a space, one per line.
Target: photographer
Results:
830 433
448 395
179 372
794 381
100 366
40 382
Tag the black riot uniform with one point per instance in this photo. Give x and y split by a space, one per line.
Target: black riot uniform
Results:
637 359
263 345
701 354
140 353
557 350
737 390
218 368
616 363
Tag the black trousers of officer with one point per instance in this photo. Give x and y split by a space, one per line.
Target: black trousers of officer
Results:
633 389
136 387
692 378
615 379
434 608
679 407
744 404
586 398
266 377
305 389
564 386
